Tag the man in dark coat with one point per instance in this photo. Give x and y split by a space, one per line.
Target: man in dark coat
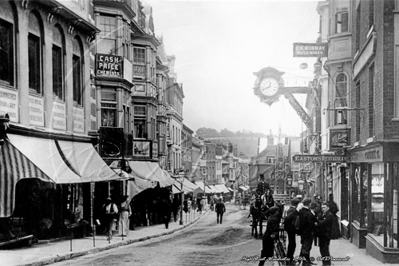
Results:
271 233
220 209
325 226
166 212
308 222
262 186
289 221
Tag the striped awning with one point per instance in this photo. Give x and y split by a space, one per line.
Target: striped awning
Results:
13 167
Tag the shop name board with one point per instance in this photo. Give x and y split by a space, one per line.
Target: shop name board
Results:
370 155
304 158
310 49
109 65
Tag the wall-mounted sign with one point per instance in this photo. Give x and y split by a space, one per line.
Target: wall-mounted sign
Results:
111 141
59 116
9 104
109 65
369 155
155 150
141 148
339 138
310 49
303 158
36 111
78 120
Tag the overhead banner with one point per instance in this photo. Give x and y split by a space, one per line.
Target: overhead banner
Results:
310 49
305 158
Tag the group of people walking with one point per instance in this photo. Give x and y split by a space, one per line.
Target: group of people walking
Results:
315 221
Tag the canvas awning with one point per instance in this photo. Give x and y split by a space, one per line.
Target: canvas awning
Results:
201 185
243 188
222 188
137 185
61 162
230 189
214 189
151 171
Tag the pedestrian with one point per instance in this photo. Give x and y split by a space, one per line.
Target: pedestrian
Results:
289 227
166 212
262 185
199 203
271 233
333 206
124 213
308 222
325 229
254 211
267 203
220 209
111 212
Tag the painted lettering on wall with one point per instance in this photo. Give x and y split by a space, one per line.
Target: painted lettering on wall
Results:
9 103
36 111
78 120
109 65
59 116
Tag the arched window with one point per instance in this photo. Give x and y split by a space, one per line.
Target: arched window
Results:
341 94
35 54
77 71
58 64
6 43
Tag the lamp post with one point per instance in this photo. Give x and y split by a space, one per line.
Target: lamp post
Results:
181 179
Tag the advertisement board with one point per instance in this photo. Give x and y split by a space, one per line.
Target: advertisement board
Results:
310 49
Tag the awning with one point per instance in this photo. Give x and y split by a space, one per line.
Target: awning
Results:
201 185
85 160
151 171
137 185
214 189
186 189
230 189
175 190
222 188
50 160
243 188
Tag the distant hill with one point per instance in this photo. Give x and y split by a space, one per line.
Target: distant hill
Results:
246 141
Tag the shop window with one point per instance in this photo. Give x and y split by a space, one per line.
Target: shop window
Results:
377 200
34 54
108 107
341 20
359 195
77 72
58 64
7 52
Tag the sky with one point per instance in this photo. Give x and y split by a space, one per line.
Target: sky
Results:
218 46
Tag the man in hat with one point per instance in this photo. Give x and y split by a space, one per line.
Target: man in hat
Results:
262 185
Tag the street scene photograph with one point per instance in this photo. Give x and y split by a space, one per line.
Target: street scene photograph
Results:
199 132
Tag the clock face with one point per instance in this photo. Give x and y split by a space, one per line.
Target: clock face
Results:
269 86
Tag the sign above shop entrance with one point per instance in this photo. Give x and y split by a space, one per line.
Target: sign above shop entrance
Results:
304 158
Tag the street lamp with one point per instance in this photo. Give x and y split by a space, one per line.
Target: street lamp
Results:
181 180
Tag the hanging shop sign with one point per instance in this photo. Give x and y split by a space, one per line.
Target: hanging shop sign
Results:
310 49
339 138
304 158
109 65
111 141
141 149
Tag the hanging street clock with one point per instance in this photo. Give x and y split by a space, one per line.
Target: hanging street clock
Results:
267 85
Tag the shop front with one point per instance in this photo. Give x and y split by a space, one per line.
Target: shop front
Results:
374 185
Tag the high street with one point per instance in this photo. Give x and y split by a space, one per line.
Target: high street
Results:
208 243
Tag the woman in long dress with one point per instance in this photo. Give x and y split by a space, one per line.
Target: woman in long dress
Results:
124 214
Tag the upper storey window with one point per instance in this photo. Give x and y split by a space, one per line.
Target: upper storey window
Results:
341 95
34 54
107 42
77 69
341 22
6 44
58 64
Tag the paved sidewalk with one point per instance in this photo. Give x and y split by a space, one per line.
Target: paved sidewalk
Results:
42 254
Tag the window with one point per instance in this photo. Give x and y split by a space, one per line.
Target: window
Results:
371 101
58 64
139 59
357 113
140 121
34 54
341 98
357 39
107 43
77 72
341 20
6 52
108 107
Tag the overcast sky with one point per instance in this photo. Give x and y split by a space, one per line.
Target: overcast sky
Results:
219 44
